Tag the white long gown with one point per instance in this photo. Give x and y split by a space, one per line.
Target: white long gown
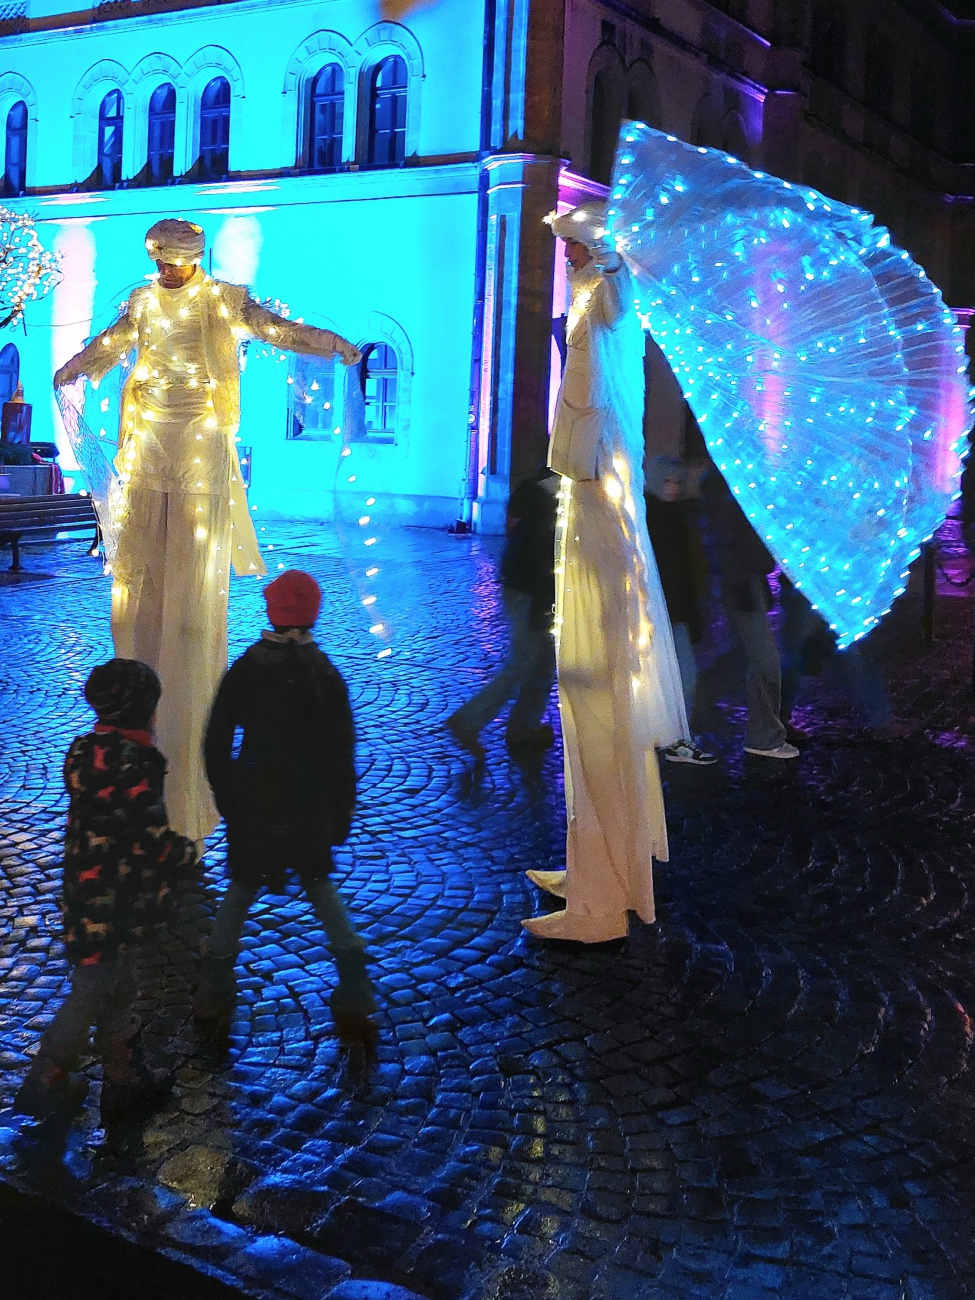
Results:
619 683
180 520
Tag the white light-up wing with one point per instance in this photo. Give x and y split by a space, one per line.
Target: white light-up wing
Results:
825 371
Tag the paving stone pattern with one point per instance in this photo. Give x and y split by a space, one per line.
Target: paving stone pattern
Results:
767 1092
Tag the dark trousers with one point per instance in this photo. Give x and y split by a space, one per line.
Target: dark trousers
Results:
101 996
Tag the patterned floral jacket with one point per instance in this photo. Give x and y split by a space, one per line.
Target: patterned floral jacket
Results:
120 856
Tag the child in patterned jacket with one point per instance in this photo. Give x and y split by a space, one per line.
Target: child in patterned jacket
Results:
121 860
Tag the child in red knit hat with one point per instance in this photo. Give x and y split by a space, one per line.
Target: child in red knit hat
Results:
287 798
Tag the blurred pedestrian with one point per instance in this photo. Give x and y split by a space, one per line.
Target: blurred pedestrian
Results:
676 540
528 593
744 563
809 648
287 799
121 861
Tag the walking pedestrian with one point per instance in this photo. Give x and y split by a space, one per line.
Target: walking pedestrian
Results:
528 593
744 564
287 799
121 861
682 564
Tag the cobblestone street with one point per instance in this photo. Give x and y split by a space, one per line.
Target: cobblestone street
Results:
768 1092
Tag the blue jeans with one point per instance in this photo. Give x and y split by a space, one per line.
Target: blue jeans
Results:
323 896
687 663
763 683
526 675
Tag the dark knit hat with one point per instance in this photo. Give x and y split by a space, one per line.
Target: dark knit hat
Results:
293 600
123 692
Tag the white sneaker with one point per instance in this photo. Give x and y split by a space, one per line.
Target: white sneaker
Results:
688 751
785 750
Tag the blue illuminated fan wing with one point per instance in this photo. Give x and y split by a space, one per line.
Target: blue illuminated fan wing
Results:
823 367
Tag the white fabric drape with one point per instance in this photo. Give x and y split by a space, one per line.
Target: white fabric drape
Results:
619 683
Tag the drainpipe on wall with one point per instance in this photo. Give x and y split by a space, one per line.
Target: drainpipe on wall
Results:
465 519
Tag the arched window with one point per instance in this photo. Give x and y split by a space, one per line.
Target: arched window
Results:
9 371
215 130
312 410
827 45
380 369
387 112
326 112
15 151
878 76
110 115
600 160
162 134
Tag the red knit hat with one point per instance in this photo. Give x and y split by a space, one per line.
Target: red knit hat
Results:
293 600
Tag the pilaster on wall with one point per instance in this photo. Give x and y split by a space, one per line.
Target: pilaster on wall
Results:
512 420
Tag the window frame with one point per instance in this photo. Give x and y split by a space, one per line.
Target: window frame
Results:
399 95
115 124
313 99
19 134
388 375
6 369
207 114
153 119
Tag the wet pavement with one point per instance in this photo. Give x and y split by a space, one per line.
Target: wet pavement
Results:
767 1092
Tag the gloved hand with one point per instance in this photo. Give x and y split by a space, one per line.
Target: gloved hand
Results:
68 374
351 356
607 259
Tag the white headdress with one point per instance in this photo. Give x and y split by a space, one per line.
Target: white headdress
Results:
180 243
586 224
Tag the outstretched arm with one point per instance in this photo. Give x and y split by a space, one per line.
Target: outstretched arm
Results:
102 354
291 336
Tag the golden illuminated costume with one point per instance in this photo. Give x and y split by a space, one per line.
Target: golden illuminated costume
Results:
179 510
619 683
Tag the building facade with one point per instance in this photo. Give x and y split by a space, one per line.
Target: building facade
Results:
389 180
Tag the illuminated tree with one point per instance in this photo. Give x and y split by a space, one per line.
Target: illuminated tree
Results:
27 271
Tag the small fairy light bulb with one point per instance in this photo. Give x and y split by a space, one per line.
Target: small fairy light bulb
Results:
371 573
384 654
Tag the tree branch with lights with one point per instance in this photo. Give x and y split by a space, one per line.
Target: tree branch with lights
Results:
27 270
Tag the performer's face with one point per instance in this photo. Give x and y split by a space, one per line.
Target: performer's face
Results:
576 254
172 276
672 489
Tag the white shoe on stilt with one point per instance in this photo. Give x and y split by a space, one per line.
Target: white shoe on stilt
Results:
578 928
553 882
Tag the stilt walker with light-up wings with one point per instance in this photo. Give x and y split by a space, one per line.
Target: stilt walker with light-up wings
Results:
175 514
620 692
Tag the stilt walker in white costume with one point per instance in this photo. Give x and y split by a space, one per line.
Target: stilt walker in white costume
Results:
619 683
178 509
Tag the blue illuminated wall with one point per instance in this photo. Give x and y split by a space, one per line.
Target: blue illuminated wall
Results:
379 254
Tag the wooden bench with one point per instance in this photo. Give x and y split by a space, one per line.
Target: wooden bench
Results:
36 516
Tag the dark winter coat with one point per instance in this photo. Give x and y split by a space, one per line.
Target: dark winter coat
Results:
741 555
528 560
289 794
120 857
681 561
